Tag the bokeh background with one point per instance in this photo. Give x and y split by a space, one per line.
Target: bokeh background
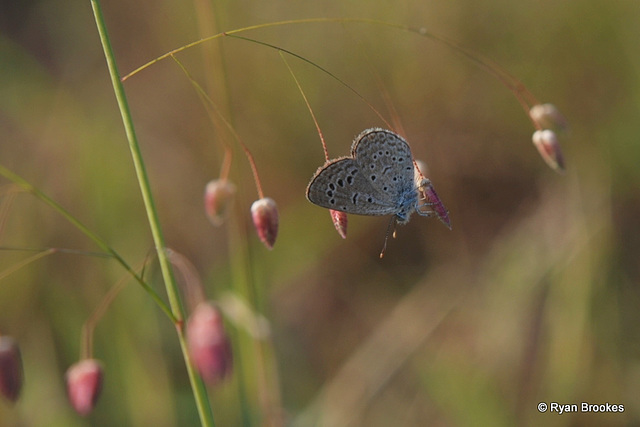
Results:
532 297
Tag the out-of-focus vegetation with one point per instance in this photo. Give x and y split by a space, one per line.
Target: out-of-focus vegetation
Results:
533 297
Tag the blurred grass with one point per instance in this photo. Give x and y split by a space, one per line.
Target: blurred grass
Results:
532 297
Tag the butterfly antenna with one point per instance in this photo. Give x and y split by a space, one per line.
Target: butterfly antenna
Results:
391 225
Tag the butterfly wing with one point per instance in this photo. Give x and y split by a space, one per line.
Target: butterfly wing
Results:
341 185
386 163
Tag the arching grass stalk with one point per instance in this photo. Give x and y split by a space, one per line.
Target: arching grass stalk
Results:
509 81
515 86
306 102
208 102
199 391
541 115
324 70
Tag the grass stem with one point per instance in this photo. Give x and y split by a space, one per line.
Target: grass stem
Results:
199 391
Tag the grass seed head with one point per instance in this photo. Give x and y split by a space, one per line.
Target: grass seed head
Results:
264 213
218 196
547 116
546 141
339 219
84 384
10 368
209 344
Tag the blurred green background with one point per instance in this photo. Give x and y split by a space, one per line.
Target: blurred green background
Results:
533 297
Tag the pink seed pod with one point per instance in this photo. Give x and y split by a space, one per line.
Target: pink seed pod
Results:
84 384
264 213
339 219
438 207
218 195
10 368
546 141
547 116
208 343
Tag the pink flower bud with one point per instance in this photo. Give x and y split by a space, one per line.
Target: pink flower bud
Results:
546 141
10 368
264 213
84 384
218 196
339 219
436 204
209 345
547 116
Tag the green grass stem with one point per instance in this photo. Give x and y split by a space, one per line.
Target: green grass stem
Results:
200 394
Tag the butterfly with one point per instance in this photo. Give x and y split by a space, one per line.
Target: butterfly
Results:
379 178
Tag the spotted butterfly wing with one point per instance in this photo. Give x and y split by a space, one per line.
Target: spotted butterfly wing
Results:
340 185
369 182
385 160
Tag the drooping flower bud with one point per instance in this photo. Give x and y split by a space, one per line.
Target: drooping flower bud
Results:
430 195
84 384
264 213
209 345
547 116
10 368
339 219
546 141
218 195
